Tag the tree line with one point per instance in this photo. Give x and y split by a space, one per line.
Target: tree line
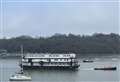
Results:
61 43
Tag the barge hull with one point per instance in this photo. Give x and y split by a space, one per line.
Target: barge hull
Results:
50 67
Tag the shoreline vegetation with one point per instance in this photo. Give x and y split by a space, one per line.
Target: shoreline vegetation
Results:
97 44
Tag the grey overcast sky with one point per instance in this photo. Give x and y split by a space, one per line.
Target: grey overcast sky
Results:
47 17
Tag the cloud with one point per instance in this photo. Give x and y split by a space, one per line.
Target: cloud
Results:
47 20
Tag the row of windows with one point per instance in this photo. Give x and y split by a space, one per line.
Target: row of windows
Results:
49 55
48 60
51 59
65 55
54 63
51 64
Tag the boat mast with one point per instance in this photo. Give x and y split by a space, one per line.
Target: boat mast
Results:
21 50
22 53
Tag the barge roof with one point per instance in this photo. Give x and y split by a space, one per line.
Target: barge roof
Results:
48 55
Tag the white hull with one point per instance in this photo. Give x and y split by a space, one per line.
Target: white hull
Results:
12 79
20 77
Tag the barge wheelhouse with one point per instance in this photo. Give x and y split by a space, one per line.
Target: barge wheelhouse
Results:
49 61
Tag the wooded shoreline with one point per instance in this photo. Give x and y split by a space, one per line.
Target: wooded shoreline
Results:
61 43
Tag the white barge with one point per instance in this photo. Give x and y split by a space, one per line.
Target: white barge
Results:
49 61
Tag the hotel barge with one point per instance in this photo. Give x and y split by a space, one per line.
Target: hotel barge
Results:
49 61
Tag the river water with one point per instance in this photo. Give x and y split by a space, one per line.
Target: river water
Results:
84 74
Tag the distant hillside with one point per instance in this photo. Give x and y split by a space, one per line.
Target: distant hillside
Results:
61 43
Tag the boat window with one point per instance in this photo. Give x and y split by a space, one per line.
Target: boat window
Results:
49 59
56 59
65 59
42 55
51 55
57 55
68 55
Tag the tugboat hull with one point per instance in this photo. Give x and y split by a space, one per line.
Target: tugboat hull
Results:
108 68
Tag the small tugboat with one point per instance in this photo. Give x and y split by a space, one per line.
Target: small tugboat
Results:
106 68
88 61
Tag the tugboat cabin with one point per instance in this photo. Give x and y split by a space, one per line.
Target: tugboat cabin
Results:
49 61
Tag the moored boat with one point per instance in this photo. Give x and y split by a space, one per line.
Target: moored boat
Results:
106 68
20 77
88 61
